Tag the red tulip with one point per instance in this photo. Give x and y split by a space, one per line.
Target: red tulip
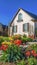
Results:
18 42
28 53
35 55
0 47
33 52
4 47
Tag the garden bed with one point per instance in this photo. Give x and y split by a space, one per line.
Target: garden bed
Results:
27 57
16 51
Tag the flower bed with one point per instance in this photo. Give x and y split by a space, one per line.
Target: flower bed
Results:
12 53
17 39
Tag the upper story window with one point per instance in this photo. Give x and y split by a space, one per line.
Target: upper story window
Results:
20 17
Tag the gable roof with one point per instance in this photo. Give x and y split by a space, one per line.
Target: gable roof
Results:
30 14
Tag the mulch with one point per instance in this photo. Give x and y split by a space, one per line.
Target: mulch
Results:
1 63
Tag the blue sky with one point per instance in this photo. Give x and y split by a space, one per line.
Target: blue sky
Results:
8 8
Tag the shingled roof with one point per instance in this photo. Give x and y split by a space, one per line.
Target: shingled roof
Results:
30 14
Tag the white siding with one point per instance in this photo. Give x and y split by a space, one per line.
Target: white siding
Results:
10 31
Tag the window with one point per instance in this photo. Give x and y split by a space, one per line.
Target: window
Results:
20 17
36 29
36 32
26 27
14 29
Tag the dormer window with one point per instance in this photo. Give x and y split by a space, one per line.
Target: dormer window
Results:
20 17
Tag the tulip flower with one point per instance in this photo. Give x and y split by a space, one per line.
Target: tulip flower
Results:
33 52
4 47
28 53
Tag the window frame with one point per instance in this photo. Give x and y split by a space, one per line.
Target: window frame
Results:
20 17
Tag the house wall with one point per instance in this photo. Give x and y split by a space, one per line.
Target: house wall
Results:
26 19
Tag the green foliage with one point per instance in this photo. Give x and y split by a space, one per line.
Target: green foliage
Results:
26 39
29 39
32 61
1 40
6 39
22 62
34 47
12 54
24 36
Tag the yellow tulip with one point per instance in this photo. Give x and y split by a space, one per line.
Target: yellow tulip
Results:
6 43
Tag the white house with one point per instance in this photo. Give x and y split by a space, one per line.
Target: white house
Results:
23 22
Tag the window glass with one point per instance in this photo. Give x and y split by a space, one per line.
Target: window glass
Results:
14 29
36 29
20 16
25 27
